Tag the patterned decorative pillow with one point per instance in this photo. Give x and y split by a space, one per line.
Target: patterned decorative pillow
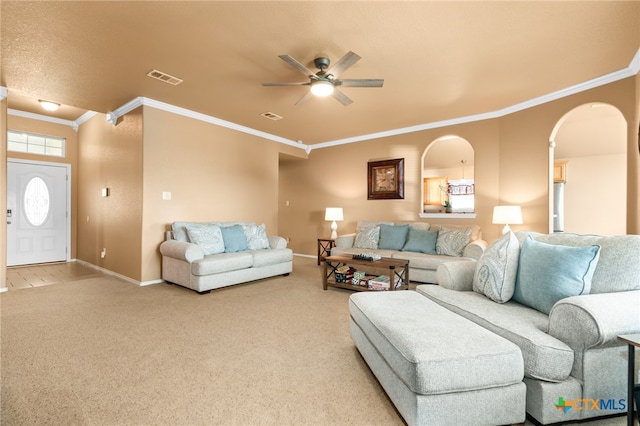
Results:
256 237
497 268
234 239
451 242
548 273
207 236
367 238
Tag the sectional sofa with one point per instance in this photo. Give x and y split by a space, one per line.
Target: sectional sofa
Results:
425 245
562 299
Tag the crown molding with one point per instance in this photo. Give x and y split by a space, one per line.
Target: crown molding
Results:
630 71
40 117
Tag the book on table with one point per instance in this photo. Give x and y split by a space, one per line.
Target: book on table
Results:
382 282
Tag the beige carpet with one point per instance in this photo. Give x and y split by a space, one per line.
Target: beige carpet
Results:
102 351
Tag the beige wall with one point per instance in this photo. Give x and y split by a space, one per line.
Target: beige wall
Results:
71 157
213 174
512 167
111 157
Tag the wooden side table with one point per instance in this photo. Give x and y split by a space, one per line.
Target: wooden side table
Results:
633 390
324 247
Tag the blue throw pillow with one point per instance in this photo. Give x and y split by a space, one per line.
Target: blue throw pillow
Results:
421 241
393 237
234 238
550 272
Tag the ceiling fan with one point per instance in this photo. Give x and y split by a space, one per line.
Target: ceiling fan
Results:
325 82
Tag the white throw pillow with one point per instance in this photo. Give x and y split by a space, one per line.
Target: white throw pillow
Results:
452 241
497 269
256 237
207 236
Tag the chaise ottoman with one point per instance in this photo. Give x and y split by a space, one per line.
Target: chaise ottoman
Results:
437 367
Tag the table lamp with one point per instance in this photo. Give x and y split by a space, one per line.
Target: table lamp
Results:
505 215
333 214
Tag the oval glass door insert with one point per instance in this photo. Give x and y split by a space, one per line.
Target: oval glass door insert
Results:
36 201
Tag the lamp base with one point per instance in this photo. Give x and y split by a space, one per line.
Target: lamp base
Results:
505 229
334 230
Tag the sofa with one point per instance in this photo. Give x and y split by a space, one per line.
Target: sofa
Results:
204 256
424 245
562 299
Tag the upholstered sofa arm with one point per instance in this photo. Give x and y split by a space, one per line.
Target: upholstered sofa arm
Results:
346 240
181 250
592 320
276 242
475 249
456 275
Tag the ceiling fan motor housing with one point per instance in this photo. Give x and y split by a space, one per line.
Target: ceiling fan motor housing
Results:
321 63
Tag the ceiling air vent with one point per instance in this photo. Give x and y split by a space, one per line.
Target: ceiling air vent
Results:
163 76
271 116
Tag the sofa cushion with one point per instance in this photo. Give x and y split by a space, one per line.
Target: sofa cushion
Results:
392 237
207 236
271 257
234 238
550 272
223 262
431 349
495 274
421 241
452 241
422 260
545 357
256 236
367 237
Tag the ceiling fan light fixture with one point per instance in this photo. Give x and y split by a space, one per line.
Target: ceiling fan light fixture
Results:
322 88
48 105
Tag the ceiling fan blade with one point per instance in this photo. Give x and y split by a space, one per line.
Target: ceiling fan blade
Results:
343 64
360 82
305 98
304 83
341 97
297 65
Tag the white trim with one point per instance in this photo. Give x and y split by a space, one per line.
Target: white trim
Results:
3 289
3 93
109 272
152 282
84 118
305 255
216 121
631 70
447 215
34 116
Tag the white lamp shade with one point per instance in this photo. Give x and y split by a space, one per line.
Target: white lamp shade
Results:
321 88
507 215
333 213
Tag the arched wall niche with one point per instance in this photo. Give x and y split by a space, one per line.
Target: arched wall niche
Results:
448 168
588 171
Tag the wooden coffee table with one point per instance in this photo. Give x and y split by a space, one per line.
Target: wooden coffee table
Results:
394 268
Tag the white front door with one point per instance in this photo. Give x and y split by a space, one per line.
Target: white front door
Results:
37 212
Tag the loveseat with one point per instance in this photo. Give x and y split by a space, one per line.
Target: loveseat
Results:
424 245
562 299
206 256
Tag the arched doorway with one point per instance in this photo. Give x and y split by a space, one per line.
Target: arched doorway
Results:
588 171
448 176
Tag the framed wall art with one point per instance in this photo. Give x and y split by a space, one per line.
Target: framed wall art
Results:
385 179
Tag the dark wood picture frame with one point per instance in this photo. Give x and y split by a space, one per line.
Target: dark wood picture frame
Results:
385 179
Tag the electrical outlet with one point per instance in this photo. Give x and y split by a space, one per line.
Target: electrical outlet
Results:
103 253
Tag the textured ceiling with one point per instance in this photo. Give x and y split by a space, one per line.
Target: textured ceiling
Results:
439 60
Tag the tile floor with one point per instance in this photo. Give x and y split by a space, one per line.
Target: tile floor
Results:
29 276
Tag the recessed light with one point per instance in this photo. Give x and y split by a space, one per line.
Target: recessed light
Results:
48 105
